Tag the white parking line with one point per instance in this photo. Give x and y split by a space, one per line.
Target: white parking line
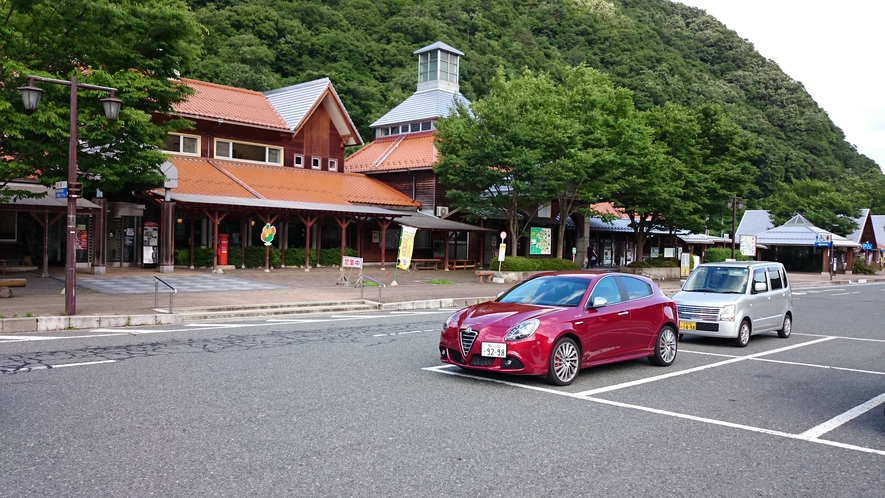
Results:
874 372
699 369
816 432
404 333
444 370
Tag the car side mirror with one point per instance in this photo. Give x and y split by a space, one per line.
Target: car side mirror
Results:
682 283
760 286
598 302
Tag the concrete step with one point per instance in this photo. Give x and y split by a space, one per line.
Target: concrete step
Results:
272 309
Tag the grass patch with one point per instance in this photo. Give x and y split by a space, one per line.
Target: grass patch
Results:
439 281
369 283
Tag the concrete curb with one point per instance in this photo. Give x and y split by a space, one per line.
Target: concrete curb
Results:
53 323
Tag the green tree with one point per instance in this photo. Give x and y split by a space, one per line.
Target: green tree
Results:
135 46
493 155
821 203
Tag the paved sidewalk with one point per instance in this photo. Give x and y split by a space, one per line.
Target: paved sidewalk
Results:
130 291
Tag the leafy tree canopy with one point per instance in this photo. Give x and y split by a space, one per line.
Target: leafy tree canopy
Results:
134 46
662 51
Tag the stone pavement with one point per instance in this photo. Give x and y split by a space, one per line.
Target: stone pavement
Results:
130 291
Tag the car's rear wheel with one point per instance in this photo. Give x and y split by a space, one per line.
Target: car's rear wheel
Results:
743 337
565 361
665 347
784 332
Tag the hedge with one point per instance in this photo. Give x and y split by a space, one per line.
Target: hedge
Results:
520 263
255 256
720 254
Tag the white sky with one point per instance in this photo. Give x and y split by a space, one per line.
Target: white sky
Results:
834 48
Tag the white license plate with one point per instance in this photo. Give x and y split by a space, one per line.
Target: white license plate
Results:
494 349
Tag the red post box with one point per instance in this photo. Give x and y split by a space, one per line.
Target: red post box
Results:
222 249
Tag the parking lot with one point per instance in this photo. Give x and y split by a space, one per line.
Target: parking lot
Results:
824 385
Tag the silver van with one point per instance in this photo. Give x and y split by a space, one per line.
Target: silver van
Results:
735 300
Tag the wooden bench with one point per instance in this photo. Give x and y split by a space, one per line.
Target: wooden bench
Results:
487 274
462 264
6 283
425 264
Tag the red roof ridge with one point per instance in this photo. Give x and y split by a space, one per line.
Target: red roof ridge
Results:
226 87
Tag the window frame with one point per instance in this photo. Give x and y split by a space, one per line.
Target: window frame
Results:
181 137
233 143
316 163
333 165
298 160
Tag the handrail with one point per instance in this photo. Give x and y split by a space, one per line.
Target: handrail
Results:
362 285
157 281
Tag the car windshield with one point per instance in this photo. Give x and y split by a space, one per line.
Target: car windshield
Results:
556 290
719 279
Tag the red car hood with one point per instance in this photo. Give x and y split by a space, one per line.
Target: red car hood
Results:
502 314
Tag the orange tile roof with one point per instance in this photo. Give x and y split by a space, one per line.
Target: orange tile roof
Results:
219 177
398 153
230 104
608 208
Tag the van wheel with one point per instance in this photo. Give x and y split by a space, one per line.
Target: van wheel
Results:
787 328
743 337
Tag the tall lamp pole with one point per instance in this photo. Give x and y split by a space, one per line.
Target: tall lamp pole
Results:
734 202
31 97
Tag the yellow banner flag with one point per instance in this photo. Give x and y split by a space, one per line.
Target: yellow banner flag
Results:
406 244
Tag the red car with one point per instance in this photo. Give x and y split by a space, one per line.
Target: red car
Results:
554 324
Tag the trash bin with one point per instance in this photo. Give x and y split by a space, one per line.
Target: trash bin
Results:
222 249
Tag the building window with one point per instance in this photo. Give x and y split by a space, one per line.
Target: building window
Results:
8 226
248 152
316 162
427 125
406 128
427 63
182 144
448 67
333 165
299 161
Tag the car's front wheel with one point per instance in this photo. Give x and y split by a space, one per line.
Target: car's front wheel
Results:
665 347
743 337
565 361
785 331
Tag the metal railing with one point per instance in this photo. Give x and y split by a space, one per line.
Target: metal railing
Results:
157 282
362 285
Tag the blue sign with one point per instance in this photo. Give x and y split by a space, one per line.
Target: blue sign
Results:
866 246
61 193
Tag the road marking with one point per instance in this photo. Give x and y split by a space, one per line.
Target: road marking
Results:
416 312
83 364
16 338
816 432
699 369
444 369
842 337
874 372
404 333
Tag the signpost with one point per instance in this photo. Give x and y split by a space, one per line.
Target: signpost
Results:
826 240
502 249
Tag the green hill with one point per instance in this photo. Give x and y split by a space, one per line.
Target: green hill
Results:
662 51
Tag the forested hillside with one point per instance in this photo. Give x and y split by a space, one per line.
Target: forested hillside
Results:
662 51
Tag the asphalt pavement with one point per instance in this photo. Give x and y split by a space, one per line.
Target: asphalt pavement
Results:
126 293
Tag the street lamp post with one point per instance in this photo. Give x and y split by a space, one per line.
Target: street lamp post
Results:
734 202
31 97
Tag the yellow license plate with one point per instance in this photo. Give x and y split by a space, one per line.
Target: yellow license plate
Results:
687 326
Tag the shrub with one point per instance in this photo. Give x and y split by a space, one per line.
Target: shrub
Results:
203 256
860 267
659 262
719 254
520 263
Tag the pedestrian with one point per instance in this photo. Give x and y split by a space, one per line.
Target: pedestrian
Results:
592 258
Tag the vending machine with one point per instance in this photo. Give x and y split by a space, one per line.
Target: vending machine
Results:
151 241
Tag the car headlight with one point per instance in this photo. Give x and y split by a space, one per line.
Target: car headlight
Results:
726 314
522 330
449 320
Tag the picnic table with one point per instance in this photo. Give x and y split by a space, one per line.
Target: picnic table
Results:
426 264
462 264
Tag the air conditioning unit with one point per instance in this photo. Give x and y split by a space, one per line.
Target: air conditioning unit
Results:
442 211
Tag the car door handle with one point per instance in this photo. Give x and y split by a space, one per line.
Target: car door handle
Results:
623 313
